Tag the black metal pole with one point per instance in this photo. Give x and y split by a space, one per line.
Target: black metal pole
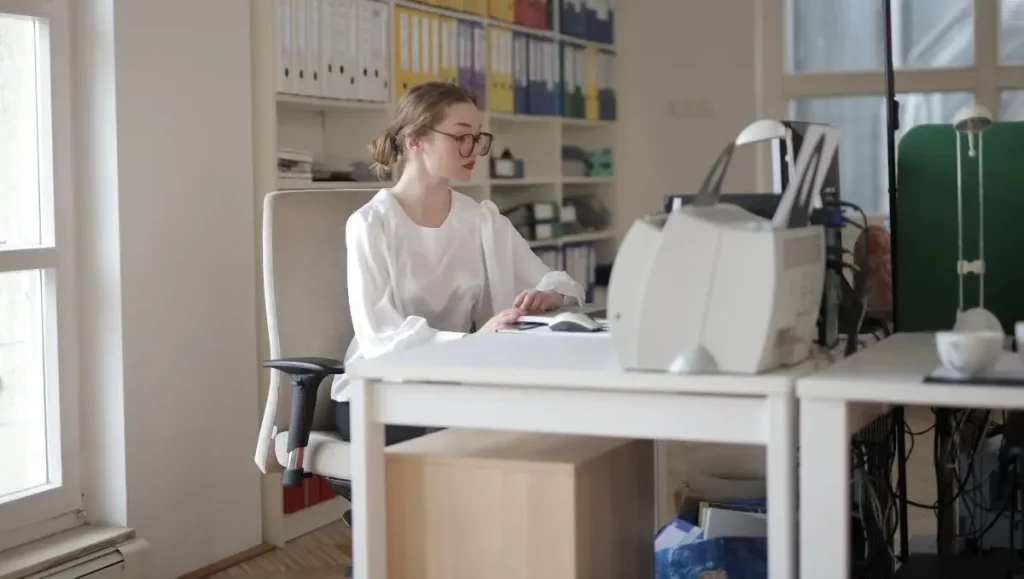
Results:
892 122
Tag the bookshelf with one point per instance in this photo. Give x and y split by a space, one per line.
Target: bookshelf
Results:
571 103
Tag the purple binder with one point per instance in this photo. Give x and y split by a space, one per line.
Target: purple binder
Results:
479 73
465 54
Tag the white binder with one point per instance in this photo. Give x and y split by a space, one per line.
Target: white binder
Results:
382 52
300 46
372 71
415 71
286 55
344 46
314 50
435 47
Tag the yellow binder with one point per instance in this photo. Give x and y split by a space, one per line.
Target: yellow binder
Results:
401 51
502 10
500 90
591 108
449 49
478 7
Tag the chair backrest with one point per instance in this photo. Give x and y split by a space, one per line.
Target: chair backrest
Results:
305 292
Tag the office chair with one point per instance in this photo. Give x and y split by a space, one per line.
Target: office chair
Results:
309 327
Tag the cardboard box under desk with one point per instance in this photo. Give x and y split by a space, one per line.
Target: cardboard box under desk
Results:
469 504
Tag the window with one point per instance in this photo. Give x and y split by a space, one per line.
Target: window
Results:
1011 31
832 62
38 399
863 178
848 36
1013 105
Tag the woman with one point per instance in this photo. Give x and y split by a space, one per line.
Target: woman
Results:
428 264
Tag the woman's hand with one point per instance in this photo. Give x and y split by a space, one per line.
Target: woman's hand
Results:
505 319
535 301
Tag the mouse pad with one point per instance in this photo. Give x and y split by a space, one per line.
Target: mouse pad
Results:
1008 371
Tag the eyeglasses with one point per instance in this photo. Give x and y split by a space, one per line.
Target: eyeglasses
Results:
469 141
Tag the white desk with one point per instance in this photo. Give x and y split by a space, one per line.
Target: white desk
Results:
566 384
839 401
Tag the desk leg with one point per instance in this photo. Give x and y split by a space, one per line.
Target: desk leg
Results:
824 490
369 533
782 499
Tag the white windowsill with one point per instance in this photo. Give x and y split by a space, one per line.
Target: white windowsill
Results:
59 548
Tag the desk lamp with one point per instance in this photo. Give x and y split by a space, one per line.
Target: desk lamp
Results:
972 120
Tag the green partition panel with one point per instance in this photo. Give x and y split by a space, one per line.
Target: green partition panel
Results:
926 229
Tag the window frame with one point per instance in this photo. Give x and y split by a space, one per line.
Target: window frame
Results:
986 79
41 512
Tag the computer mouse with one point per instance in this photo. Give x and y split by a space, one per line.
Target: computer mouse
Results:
574 322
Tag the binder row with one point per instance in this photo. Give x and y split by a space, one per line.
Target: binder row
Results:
529 13
534 82
334 48
588 83
579 260
434 47
592 20
342 49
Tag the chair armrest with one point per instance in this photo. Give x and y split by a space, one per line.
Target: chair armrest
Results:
306 365
306 374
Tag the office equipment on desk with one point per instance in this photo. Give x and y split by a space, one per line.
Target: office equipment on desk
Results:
536 220
926 249
595 311
575 322
715 254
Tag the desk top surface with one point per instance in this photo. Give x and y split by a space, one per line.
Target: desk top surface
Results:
893 371
552 360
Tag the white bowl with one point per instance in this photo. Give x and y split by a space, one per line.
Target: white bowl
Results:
969 353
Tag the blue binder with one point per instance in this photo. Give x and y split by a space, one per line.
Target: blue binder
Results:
520 68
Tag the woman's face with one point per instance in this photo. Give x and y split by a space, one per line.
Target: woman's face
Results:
452 148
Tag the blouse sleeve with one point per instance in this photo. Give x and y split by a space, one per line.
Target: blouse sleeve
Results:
379 326
529 271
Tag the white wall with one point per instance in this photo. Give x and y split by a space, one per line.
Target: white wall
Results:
687 84
165 187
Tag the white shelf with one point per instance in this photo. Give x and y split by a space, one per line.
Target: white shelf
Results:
293 184
299 184
575 238
529 181
324 103
587 180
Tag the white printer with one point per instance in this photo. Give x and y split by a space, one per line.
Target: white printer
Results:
710 287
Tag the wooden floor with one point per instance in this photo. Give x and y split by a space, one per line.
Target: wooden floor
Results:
324 553
321 554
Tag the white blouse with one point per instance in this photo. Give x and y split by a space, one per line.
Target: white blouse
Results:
410 285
